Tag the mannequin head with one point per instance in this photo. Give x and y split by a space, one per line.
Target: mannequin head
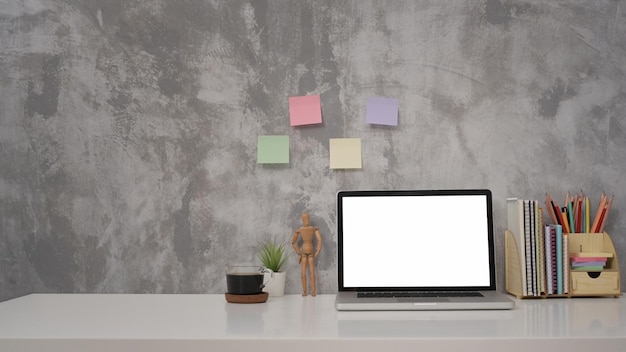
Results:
305 219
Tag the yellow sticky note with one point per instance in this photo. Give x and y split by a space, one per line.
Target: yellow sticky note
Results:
273 150
345 153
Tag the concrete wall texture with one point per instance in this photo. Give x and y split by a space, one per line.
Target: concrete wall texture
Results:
128 129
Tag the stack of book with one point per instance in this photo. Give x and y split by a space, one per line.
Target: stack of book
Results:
543 259
543 249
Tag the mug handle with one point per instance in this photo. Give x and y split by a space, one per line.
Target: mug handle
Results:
265 270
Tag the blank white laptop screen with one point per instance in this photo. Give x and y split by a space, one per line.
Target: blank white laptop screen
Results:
415 241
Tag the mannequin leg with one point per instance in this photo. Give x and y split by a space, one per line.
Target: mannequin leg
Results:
312 275
303 277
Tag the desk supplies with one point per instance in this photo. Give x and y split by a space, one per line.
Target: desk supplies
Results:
575 215
555 260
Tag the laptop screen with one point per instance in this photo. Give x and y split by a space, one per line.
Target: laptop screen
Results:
415 240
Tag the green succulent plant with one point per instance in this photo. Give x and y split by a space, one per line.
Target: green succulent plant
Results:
272 254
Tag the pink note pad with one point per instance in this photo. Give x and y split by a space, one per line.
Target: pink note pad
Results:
305 110
587 259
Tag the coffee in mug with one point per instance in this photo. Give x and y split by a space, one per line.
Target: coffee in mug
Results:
244 280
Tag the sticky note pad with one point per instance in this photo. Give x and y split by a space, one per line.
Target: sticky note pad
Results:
345 153
305 110
273 150
382 111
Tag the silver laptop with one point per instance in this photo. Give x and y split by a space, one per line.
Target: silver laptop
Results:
417 250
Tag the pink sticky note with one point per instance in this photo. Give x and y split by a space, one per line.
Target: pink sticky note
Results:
305 110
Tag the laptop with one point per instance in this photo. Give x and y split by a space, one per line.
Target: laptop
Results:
417 250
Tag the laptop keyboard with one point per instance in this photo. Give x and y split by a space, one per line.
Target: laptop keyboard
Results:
418 294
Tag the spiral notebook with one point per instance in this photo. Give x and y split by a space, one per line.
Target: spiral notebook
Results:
417 250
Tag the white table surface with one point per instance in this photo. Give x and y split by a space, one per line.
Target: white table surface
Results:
122 322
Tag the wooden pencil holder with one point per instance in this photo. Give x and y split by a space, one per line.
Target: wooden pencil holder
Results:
581 283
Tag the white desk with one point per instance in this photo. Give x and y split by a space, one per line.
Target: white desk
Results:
96 322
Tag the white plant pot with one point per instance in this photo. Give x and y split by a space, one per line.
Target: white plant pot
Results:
276 286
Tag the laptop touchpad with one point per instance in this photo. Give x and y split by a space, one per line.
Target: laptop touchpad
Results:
423 299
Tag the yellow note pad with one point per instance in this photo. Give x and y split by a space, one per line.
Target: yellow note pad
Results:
345 153
273 150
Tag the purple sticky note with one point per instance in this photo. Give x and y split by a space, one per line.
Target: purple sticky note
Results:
382 111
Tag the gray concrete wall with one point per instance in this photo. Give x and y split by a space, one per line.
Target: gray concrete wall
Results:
128 128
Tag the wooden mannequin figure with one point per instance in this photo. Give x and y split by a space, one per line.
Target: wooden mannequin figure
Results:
306 256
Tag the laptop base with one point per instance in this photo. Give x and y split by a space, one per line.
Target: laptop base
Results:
346 301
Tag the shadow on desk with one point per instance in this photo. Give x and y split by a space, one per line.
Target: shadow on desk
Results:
566 317
421 324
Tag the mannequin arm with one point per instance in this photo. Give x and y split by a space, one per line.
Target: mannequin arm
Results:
294 244
318 236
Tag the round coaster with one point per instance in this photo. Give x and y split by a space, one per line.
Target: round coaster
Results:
259 298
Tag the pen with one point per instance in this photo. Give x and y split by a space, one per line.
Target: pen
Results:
596 220
587 216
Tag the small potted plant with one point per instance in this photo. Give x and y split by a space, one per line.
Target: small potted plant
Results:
273 255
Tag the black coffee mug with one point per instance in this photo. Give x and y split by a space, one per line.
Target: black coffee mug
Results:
245 280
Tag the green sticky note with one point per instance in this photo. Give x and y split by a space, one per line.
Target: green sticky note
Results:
273 150
345 153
